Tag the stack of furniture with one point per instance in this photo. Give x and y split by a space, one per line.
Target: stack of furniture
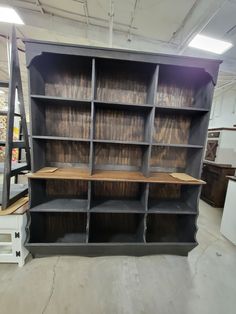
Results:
117 144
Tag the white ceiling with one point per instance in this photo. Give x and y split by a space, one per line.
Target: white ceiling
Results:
150 25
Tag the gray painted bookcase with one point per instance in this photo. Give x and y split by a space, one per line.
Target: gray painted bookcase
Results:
108 129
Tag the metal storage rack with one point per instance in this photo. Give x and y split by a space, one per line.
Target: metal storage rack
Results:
108 127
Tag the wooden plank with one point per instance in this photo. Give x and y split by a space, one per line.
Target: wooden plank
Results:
48 169
183 177
17 208
100 175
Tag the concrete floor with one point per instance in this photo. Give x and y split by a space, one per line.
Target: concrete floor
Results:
205 282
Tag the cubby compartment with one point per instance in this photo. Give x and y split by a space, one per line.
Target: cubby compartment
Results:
124 81
173 198
58 227
170 228
181 87
178 127
52 195
61 75
60 153
116 228
176 159
122 123
118 196
60 118
119 156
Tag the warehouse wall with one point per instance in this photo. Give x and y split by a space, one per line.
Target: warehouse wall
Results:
223 113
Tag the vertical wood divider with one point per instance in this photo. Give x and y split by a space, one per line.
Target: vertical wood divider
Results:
92 125
91 152
151 98
89 195
87 227
144 227
146 193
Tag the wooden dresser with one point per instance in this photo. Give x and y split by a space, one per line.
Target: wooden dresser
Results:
216 177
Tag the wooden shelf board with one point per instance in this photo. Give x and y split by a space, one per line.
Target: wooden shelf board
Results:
117 206
183 110
114 104
120 142
177 145
59 138
170 207
57 100
65 138
62 205
102 175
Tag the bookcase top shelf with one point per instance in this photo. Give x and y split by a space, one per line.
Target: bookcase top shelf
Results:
105 175
37 47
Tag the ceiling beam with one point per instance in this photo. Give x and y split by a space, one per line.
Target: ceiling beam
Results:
111 21
184 22
49 10
132 20
39 5
199 16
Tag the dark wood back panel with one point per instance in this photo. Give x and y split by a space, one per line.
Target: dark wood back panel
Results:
168 159
64 76
180 86
124 125
171 128
119 227
123 81
170 228
67 189
58 227
68 121
111 155
66 153
117 190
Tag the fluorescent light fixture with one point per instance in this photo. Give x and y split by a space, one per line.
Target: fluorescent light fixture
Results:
9 15
210 44
2 92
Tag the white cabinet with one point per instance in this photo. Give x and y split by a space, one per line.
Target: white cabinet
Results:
12 238
228 223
